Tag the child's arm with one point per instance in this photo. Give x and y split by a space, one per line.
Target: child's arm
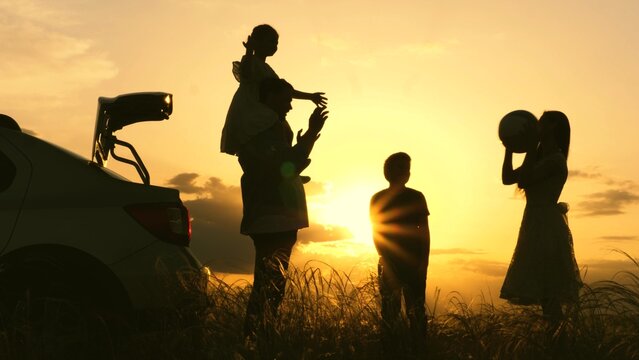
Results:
246 64
318 98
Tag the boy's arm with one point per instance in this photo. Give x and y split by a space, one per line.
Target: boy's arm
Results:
425 237
424 234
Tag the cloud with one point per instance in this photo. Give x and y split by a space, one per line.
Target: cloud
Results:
595 174
39 59
455 251
591 269
609 202
612 201
604 269
33 11
216 238
216 216
322 233
618 238
584 174
185 182
480 266
314 188
621 183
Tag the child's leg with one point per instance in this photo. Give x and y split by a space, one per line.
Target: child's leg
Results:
415 298
391 297
390 291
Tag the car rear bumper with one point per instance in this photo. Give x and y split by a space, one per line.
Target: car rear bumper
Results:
161 275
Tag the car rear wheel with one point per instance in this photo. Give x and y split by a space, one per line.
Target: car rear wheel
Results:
48 312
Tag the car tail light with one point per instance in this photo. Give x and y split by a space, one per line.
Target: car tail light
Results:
168 222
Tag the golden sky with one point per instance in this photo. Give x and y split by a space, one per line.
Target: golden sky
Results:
431 78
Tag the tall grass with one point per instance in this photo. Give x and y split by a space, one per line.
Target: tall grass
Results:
327 315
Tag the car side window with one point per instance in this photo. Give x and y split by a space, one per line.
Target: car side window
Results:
7 172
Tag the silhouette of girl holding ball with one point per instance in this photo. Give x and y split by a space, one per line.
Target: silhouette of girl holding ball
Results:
543 269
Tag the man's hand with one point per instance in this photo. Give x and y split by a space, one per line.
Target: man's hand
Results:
317 120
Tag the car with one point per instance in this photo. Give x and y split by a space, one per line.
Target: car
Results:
72 229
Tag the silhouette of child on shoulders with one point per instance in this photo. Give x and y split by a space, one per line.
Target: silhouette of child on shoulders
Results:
399 216
247 116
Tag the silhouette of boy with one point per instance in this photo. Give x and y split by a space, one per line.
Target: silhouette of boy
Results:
399 216
273 197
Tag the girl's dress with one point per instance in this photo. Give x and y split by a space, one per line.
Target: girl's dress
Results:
247 116
543 265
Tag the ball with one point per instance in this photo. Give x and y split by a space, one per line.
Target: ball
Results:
514 129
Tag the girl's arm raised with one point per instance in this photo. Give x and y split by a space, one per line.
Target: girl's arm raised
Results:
526 171
523 174
246 65
509 176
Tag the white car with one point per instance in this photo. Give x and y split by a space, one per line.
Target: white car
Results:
72 229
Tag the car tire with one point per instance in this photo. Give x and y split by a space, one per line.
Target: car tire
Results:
50 312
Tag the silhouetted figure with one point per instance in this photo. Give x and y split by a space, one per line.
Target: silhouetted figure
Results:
273 197
400 231
543 269
247 116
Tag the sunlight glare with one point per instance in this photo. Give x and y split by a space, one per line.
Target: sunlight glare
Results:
348 208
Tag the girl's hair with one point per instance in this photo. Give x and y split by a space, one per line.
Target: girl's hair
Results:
562 129
260 32
396 166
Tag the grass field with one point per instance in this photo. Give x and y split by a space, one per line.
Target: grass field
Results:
325 315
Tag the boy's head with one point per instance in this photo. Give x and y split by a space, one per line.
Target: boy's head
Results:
277 94
397 168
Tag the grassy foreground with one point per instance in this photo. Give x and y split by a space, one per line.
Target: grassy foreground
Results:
325 315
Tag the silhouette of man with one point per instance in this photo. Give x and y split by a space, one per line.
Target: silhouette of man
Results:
400 231
273 197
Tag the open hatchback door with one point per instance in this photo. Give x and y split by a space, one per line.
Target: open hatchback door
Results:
118 112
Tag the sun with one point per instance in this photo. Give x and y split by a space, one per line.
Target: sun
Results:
347 207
